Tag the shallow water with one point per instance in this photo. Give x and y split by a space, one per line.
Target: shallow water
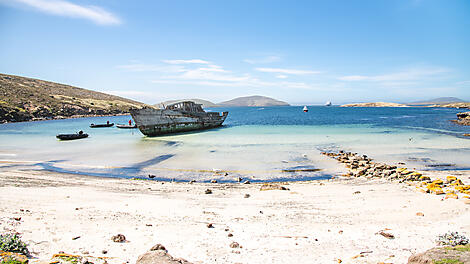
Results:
260 144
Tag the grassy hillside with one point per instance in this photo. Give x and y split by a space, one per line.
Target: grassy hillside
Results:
24 99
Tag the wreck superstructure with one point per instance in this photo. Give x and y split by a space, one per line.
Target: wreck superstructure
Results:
175 118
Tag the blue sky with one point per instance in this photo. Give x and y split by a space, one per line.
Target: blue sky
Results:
303 52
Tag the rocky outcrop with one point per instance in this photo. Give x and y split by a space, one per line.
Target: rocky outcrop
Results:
463 119
457 254
159 255
376 104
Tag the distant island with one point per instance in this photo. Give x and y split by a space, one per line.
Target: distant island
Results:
376 104
439 101
26 99
255 100
448 102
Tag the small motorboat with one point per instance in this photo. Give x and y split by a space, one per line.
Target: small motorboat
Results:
328 103
126 126
102 125
78 135
305 109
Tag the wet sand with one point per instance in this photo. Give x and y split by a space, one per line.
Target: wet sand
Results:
312 222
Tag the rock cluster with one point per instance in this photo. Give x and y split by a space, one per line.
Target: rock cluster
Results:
463 118
363 166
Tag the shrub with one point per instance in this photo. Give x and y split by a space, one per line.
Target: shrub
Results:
13 243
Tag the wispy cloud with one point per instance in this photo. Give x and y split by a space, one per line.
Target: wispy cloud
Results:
406 75
64 8
267 59
192 61
205 73
287 71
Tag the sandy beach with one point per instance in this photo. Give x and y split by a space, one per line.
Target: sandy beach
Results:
311 222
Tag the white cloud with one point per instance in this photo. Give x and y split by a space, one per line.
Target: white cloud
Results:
68 9
192 61
267 59
281 76
287 71
407 75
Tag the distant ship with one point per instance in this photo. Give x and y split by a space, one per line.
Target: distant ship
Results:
177 117
305 109
328 103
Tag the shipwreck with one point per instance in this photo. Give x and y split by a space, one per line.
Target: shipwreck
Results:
176 118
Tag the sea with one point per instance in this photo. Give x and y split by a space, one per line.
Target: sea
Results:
258 144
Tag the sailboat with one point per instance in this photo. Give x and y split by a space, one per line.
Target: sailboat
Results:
328 103
305 109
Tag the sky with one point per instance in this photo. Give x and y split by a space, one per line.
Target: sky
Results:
302 52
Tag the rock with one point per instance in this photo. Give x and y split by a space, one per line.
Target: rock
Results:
234 245
192 181
451 195
356 192
230 235
159 257
246 195
210 225
158 247
104 251
75 238
457 254
246 182
214 181
271 186
151 176
208 191
419 214
239 179
119 238
13 258
386 235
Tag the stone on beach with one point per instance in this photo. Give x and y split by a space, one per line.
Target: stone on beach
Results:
271 186
159 257
119 238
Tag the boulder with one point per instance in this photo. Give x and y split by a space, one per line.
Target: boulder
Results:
159 257
457 254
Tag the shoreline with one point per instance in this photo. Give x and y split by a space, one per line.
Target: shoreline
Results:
325 220
64 117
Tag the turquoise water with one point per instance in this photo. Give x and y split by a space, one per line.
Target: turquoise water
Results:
260 144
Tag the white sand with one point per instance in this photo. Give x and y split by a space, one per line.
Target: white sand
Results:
298 226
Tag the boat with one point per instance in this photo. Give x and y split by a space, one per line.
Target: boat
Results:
126 126
102 125
305 109
78 135
174 118
328 103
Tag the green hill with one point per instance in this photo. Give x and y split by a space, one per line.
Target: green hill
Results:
25 99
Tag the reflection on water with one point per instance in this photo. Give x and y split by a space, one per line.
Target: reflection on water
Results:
285 149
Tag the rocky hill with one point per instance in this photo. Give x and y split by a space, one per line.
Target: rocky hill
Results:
25 99
205 103
254 101
377 104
